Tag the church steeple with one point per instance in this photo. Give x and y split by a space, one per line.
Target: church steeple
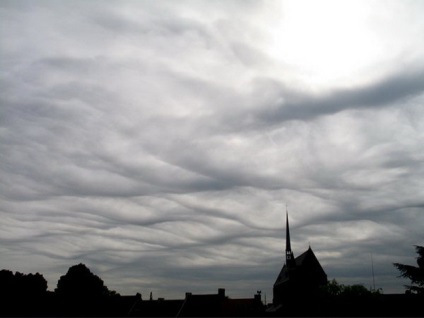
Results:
289 254
298 277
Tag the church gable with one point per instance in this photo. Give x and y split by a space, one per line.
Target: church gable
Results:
310 271
309 260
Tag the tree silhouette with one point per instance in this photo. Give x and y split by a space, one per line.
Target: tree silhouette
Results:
7 282
22 284
80 282
415 274
333 288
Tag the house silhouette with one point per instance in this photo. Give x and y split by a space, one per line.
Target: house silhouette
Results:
201 305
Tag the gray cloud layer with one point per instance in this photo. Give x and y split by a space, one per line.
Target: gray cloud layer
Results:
158 143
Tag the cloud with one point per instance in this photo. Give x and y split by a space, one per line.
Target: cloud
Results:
158 143
290 104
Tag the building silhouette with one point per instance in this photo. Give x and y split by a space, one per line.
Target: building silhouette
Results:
300 277
201 305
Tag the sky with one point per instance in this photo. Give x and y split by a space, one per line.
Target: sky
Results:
161 142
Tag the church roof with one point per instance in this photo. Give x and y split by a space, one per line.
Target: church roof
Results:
305 261
305 256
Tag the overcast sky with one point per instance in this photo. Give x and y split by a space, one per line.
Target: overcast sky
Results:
158 142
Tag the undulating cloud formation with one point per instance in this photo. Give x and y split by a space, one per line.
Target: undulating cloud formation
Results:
158 142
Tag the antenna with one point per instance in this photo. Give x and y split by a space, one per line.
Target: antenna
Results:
373 278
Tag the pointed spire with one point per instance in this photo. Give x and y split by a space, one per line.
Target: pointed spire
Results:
289 254
288 245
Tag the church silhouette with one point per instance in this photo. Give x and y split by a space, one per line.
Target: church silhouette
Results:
300 277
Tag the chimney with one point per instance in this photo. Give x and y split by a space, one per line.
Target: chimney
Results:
188 295
221 292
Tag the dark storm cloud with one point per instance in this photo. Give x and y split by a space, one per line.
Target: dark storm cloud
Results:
303 105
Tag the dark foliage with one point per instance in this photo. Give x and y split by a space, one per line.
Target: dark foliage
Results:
22 294
80 282
415 274
22 284
333 288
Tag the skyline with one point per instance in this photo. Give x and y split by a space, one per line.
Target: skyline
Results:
159 142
